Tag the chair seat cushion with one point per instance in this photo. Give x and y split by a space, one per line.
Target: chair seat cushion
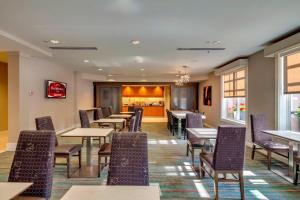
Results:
67 148
105 149
274 146
208 157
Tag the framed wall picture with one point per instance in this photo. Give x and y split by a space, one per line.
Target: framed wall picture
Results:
207 96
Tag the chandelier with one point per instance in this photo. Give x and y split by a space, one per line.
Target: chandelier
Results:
184 78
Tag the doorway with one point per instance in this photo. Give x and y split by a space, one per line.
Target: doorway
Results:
3 101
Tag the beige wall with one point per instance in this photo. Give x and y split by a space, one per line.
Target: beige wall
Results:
212 112
3 97
33 73
27 100
261 92
261 87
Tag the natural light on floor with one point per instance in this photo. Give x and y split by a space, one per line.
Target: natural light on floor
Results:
201 189
258 195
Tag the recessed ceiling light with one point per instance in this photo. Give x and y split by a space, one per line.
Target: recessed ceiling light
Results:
142 69
135 42
86 61
144 80
139 59
217 42
177 75
100 69
54 41
111 80
109 75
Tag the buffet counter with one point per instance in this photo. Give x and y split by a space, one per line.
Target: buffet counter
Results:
150 110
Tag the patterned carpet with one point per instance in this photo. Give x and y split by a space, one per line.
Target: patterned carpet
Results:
170 168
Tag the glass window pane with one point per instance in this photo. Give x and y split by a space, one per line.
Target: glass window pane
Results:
226 87
226 77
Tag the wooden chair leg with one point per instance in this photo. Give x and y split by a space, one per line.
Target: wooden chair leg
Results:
241 180
201 170
99 165
253 152
79 158
68 166
296 170
187 149
193 159
269 160
216 184
54 161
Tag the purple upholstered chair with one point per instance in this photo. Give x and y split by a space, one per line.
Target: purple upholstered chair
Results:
61 150
105 112
193 120
141 118
110 110
263 140
99 114
129 160
33 162
132 124
137 115
296 169
228 156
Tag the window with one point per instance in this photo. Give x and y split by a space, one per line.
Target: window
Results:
290 93
291 86
234 96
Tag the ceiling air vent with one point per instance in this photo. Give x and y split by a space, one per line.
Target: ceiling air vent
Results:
75 48
200 49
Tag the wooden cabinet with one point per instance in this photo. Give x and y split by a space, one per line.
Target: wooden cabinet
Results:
142 91
153 111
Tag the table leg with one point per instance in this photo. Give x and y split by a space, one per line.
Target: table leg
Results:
179 129
89 151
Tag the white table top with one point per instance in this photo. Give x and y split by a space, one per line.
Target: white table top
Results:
284 134
90 109
205 133
182 114
9 190
128 112
89 192
110 120
88 132
120 116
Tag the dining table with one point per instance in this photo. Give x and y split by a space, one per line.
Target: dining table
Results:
181 115
293 139
127 113
10 190
89 133
113 121
96 192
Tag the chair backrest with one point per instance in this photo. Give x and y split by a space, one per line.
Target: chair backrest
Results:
33 162
230 148
105 111
130 108
137 120
168 117
84 119
141 118
194 120
258 123
110 110
132 124
45 123
99 114
129 160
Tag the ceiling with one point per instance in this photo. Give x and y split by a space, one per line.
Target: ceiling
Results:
242 26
